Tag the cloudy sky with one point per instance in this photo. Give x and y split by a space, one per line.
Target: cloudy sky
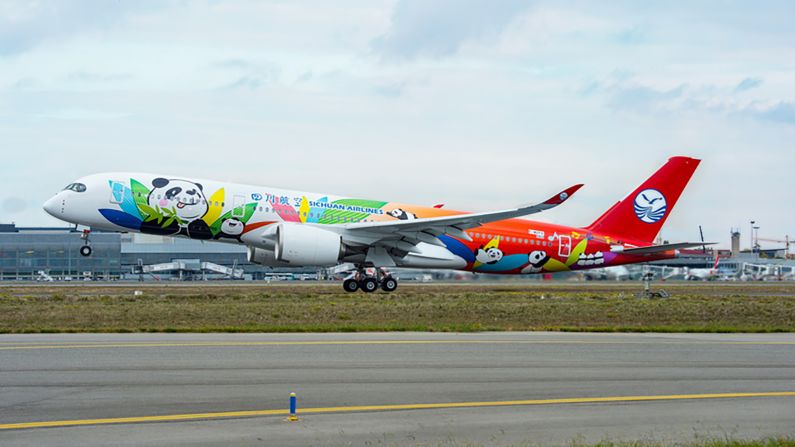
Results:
477 104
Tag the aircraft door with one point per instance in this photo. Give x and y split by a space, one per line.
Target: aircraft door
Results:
239 203
564 246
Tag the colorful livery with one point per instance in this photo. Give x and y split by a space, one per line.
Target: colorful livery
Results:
292 228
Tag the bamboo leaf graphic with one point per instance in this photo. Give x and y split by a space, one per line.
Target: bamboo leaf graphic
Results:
148 210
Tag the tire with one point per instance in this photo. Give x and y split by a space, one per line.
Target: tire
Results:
368 285
389 284
350 285
85 250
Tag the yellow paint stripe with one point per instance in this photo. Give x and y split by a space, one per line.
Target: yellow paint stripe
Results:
279 343
372 408
377 342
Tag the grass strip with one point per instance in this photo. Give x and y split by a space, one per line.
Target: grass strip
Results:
437 308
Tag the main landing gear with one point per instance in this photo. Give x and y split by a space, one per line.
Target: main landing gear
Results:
85 250
366 282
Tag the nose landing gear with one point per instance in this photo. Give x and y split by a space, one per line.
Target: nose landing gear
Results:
85 250
367 282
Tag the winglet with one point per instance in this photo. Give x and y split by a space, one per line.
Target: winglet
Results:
563 195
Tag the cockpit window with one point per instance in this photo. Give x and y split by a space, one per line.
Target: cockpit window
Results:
76 187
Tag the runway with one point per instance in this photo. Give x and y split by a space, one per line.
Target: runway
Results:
392 388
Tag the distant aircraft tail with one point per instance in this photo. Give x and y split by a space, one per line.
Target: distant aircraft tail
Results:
641 215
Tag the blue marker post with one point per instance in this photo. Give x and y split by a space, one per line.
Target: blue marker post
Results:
293 401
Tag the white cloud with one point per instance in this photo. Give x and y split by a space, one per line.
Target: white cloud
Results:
479 105
439 28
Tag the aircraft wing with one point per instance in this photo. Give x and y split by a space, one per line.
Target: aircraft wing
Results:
657 248
408 233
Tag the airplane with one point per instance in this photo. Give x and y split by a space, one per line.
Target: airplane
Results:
284 228
703 274
616 273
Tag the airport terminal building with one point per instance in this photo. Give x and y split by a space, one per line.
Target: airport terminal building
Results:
47 253
53 254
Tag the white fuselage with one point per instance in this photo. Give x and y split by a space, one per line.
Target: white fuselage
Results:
226 212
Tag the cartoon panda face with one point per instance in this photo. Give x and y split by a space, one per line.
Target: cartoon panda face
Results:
398 213
182 196
538 258
491 255
232 227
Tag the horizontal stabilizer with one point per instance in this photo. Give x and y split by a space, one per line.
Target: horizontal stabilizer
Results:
657 248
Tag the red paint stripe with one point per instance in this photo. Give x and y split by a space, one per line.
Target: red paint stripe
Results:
255 225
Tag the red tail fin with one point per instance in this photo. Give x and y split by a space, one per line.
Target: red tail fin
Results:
640 215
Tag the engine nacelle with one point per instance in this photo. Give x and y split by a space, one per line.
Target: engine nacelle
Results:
264 257
307 245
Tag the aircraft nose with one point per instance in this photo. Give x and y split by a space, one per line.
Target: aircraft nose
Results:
51 206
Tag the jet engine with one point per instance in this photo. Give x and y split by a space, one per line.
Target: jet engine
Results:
265 257
295 245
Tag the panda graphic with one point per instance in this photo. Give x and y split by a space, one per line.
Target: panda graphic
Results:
398 213
186 199
491 255
537 260
231 228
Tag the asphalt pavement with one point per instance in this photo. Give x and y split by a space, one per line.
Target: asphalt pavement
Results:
392 388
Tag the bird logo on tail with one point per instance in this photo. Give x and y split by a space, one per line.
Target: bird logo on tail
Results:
650 206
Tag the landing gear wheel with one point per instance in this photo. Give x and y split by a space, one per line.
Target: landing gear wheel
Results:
350 285
85 250
368 285
389 284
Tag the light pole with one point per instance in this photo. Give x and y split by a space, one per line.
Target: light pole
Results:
756 239
752 235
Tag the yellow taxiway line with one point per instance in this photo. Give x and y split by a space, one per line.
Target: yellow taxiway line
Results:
376 342
372 408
